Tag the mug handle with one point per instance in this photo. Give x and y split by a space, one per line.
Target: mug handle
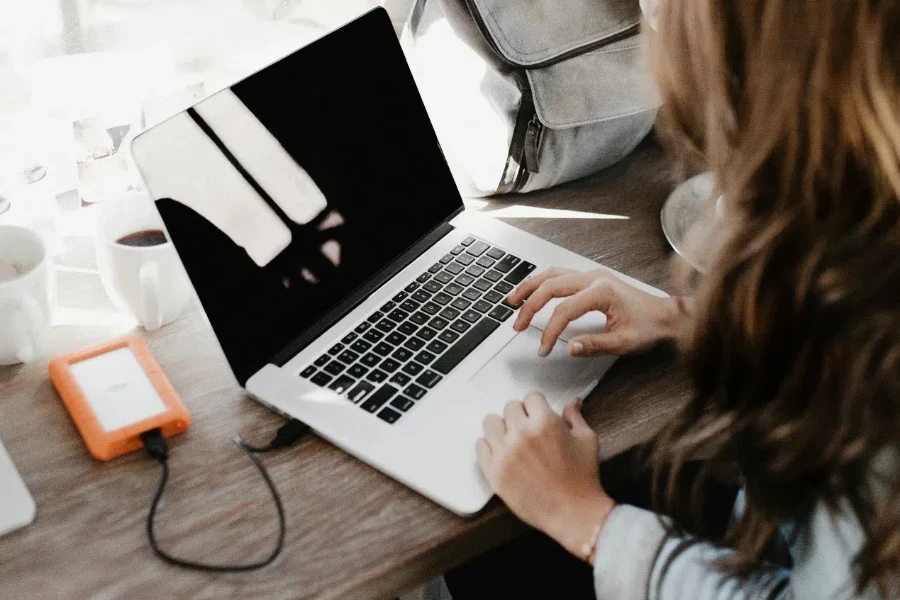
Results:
26 321
151 308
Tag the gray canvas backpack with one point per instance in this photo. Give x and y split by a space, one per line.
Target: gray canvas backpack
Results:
527 94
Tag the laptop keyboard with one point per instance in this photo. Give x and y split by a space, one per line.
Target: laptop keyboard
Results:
399 353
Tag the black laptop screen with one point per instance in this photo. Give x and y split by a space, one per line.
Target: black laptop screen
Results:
286 192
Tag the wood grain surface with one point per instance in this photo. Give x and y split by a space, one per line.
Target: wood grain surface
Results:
352 532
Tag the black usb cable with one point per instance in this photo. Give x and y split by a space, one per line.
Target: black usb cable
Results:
156 448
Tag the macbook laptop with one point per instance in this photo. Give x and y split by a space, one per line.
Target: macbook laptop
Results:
348 287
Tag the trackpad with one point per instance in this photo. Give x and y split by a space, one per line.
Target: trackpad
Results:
518 370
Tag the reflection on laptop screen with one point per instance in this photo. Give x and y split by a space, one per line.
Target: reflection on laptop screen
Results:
287 191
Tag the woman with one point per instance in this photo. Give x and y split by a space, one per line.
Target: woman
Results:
792 338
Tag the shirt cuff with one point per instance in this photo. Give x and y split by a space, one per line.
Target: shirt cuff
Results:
626 550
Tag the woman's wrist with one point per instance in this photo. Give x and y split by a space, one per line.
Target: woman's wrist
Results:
576 528
670 318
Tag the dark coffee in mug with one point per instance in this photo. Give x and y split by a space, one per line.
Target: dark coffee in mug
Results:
142 239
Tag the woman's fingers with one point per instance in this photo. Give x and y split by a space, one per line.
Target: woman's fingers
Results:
536 405
527 287
557 287
573 417
485 456
615 342
514 414
598 296
494 430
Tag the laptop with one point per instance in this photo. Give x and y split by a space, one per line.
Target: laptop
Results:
347 284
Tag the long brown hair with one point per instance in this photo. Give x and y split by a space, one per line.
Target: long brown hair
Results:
794 338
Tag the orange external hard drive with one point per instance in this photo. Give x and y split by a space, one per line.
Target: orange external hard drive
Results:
116 391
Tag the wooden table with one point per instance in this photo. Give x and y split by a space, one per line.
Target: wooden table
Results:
352 532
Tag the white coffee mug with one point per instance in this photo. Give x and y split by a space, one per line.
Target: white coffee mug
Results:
147 282
25 289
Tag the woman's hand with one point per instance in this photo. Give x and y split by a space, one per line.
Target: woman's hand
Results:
635 320
546 468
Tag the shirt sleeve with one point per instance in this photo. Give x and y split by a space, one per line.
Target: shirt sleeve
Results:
636 555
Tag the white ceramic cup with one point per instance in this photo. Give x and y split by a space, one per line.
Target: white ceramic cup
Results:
147 282
25 289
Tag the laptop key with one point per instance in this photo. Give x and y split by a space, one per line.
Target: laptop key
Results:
412 368
486 261
493 297
444 277
493 275
398 315
360 346
460 326
504 288
413 343
388 307
389 365
464 280
357 371
395 338
342 384
348 356
449 313
402 403
477 249
442 298
472 294
374 317
411 287
389 415
496 253
348 339
461 349
429 379
457 250
425 357
409 306
475 271
501 313
431 308
336 349
448 336
506 265
307 372
446 258
471 316
386 325
361 391
461 304
438 323
436 346
423 277
379 398
373 335
454 268
483 285
402 354
465 259
432 286
415 392
468 241
383 349
407 328
426 333
361 328
482 306
435 268
421 296
519 273
419 318
377 376
321 379
400 297
400 379
370 360
453 289
322 360
334 367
